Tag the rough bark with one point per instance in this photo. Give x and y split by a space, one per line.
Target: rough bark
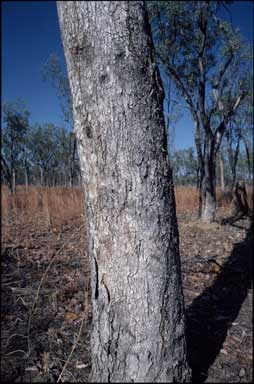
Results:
138 309
239 204
7 173
41 175
222 177
208 199
27 177
233 158
209 181
13 183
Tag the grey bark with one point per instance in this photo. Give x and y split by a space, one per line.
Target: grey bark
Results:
72 152
208 190
13 185
232 157
138 309
222 176
26 177
41 175
7 173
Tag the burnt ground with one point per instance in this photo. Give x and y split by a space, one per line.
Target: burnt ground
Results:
46 310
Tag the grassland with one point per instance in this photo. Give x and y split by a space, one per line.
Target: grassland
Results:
46 308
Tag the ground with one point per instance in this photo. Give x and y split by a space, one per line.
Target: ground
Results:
46 312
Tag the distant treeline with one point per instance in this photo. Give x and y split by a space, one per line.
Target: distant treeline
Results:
40 154
44 154
233 164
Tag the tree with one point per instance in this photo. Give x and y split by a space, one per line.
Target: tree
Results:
138 318
43 145
210 67
15 118
52 70
185 166
240 130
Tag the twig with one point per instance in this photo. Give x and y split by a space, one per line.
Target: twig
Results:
42 279
9 338
12 282
69 372
18 350
72 350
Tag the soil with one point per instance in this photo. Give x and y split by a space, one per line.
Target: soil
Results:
46 311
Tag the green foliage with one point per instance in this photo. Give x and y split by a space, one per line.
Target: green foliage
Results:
179 40
53 71
15 119
43 144
42 153
185 166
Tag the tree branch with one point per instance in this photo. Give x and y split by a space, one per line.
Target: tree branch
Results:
180 84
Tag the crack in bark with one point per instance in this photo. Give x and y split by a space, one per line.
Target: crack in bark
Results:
96 279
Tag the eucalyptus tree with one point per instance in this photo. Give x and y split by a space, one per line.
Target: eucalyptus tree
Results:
210 65
53 71
185 166
138 319
66 155
15 119
43 145
240 130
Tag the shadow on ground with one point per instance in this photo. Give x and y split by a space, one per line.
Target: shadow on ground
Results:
211 314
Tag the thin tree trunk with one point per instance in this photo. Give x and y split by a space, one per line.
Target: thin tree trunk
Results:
233 158
72 151
26 177
200 193
200 178
138 318
248 157
7 174
13 182
209 185
41 176
222 178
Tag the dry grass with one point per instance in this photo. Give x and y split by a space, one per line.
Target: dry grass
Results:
56 206
187 198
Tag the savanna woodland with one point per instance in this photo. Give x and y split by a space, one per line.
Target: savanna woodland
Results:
127 257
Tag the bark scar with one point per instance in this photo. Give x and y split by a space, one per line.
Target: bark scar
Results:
106 288
96 290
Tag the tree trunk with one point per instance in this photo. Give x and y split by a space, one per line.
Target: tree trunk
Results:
222 178
72 152
41 176
233 158
209 186
138 310
26 177
200 179
13 181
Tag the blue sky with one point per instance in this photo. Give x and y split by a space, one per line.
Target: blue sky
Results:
30 33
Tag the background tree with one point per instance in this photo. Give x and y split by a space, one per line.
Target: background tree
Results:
43 146
54 72
26 162
15 118
209 66
185 167
138 323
